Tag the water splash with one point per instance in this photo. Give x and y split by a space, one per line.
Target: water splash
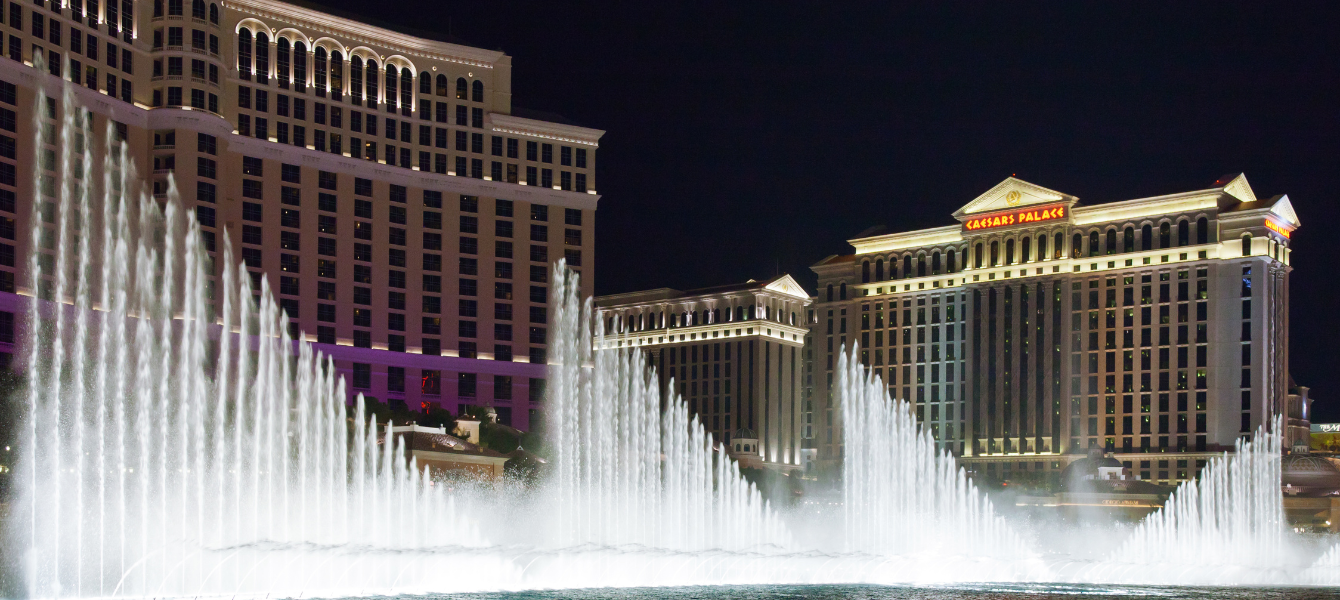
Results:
902 497
1226 526
630 466
195 456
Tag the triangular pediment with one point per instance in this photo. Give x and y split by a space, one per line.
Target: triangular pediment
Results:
787 285
1011 194
1284 210
1240 189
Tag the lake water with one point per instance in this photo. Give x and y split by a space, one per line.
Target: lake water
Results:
868 592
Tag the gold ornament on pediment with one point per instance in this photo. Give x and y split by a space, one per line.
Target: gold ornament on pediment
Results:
1013 198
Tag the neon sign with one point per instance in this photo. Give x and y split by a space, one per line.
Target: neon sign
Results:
1017 217
1277 228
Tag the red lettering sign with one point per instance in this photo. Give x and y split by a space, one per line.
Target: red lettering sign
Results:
1017 217
1277 228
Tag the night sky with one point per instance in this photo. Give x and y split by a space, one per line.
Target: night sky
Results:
747 139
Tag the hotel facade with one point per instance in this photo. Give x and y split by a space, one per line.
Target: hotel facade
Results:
734 353
1038 328
381 184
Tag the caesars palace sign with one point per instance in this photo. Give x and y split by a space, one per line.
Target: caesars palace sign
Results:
1022 216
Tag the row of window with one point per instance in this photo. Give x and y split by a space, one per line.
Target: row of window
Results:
430 383
176 8
328 74
1029 250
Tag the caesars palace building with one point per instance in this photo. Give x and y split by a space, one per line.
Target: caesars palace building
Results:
1038 327
403 213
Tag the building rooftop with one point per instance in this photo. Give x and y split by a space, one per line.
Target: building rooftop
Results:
784 284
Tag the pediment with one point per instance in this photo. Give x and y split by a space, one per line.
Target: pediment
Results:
1284 210
1240 189
1011 194
787 285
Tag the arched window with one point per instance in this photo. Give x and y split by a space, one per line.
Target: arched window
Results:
1025 249
995 253
1111 241
1128 239
865 271
1093 243
893 268
1183 232
477 91
935 263
842 291
356 80
1009 252
830 292
716 315
1165 235
977 256
319 70
921 265
879 269
300 66
1058 246
1202 231
907 266
198 9
950 264
214 14
1146 237
336 75
1077 246
373 74
442 85
461 89
425 83
392 80
739 310
406 92
262 58
282 54
1042 247
244 54
1246 244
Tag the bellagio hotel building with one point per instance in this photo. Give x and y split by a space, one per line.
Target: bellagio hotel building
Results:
403 212
1037 328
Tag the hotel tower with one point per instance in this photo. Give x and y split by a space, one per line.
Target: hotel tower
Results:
1037 327
401 210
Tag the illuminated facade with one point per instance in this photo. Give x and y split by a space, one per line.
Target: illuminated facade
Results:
735 354
404 215
1040 327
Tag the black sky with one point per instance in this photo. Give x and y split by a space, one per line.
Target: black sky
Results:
747 138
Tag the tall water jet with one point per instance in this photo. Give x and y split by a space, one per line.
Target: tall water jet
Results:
632 467
903 498
1228 525
218 464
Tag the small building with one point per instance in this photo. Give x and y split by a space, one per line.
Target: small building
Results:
734 353
443 453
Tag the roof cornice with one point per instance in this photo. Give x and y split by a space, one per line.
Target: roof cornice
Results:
558 132
368 34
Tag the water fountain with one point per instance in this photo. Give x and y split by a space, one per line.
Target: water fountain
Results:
172 451
903 498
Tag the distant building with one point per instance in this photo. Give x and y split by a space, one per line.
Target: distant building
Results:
734 353
1038 328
